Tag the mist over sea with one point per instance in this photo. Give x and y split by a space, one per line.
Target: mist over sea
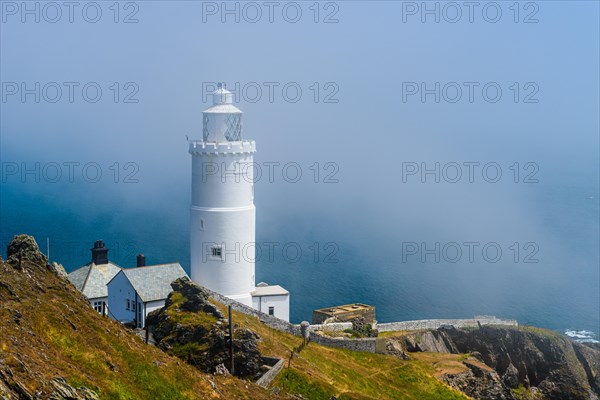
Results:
343 262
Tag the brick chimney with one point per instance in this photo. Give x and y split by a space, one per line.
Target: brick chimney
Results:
99 253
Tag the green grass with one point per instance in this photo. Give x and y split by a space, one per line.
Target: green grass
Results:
66 338
188 318
325 371
522 393
292 381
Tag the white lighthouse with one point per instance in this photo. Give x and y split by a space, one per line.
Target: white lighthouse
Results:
223 216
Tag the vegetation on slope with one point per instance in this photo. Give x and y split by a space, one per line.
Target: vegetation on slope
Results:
320 372
48 331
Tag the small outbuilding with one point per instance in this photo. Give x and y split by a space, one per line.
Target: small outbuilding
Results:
133 293
272 300
345 313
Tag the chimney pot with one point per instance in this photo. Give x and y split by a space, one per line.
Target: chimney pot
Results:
99 253
141 260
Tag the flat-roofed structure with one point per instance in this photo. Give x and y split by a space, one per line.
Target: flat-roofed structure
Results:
344 313
271 299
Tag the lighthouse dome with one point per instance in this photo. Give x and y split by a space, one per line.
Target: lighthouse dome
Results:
222 95
222 122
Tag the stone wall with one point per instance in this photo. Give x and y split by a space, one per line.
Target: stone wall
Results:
332 327
437 323
268 320
267 378
362 344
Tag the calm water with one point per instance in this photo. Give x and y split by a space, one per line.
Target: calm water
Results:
560 292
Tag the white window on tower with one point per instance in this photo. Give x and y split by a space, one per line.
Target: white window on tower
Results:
271 310
216 252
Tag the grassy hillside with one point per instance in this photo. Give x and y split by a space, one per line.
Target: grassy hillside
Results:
320 372
48 330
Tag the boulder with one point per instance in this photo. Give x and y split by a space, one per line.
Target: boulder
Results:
24 247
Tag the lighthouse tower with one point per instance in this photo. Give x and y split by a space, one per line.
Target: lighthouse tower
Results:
223 247
222 212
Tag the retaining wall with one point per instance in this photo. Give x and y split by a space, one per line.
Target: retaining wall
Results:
362 344
332 327
268 320
437 323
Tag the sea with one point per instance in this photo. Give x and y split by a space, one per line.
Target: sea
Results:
559 292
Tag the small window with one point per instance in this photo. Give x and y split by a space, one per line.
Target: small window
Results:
271 310
98 306
216 251
128 304
201 224
133 304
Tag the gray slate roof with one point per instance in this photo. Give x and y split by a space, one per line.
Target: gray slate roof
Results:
154 281
91 279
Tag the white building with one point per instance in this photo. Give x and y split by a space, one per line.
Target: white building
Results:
223 216
133 293
91 279
272 299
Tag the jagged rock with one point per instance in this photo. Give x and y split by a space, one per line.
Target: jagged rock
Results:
12 389
64 391
203 342
511 376
59 270
24 247
395 348
221 369
545 363
589 358
429 341
17 316
479 382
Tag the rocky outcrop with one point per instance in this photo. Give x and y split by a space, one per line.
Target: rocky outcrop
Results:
192 328
429 341
544 363
64 391
24 247
479 382
589 357
59 270
364 329
24 255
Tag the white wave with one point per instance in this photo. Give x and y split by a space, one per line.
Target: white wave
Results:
581 336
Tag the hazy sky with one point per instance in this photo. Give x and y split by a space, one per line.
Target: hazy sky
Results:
369 61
